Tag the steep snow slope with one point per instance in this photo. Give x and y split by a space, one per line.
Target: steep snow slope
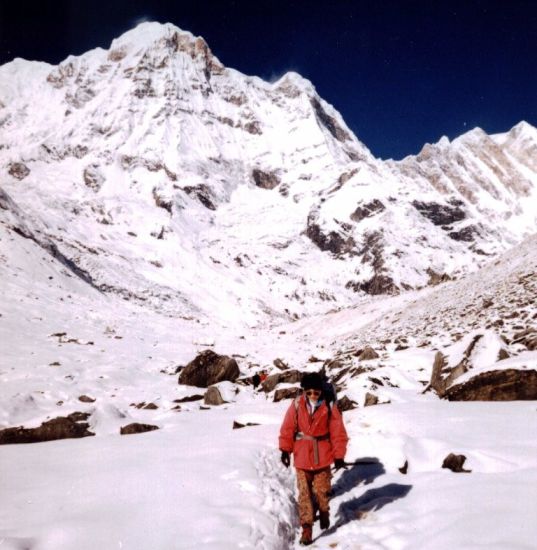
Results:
175 182
196 481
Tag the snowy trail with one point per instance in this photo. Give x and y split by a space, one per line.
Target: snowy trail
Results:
278 488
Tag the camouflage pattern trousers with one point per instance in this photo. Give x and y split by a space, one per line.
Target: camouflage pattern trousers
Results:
313 493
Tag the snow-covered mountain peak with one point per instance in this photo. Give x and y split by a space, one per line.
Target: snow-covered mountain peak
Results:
159 173
166 39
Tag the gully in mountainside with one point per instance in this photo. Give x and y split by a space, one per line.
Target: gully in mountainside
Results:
314 432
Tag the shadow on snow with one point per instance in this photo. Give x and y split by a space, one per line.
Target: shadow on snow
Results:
364 470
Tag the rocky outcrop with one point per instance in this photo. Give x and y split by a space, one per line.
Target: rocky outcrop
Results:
497 385
209 368
265 180
526 337
63 427
367 210
441 214
202 193
18 170
337 242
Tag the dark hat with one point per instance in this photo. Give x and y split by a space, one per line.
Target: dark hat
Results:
312 381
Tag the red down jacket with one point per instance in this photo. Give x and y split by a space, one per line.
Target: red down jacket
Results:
322 423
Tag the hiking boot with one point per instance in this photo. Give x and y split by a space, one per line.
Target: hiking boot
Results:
306 538
324 520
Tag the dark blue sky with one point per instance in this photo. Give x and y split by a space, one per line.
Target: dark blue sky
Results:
402 73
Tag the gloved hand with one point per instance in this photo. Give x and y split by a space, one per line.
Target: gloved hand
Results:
286 459
339 463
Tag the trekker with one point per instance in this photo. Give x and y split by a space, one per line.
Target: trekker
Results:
314 432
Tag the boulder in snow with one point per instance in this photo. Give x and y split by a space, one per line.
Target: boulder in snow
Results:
209 368
213 396
286 393
58 428
289 377
18 170
370 399
367 354
137 428
455 463
346 404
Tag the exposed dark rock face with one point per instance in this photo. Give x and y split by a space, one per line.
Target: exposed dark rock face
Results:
213 397
328 122
441 214
289 377
372 252
467 234
63 427
209 368
455 463
137 428
497 385
201 192
18 170
286 393
367 210
336 242
265 180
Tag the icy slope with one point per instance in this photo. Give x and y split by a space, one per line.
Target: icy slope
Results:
184 185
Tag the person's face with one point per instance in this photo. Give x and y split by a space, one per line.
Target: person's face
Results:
313 395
